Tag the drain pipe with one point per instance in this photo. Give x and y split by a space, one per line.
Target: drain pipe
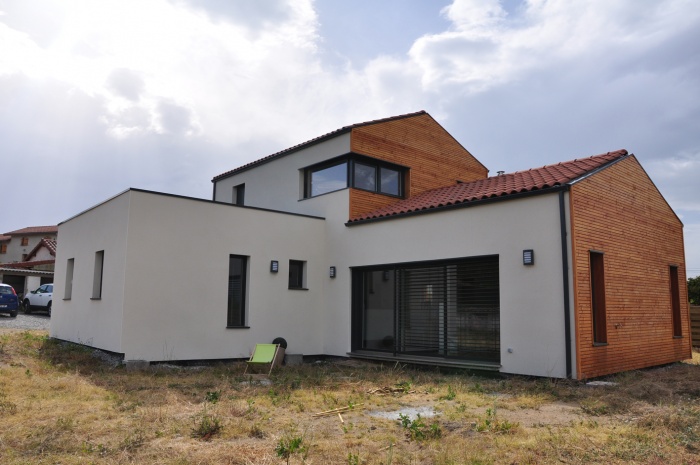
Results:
565 275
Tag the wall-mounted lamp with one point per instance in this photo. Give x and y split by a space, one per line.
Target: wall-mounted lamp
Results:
528 257
274 266
331 272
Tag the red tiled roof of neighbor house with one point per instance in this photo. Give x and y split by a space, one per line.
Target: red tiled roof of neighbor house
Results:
315 140
31 230
50 245
5 238
536 179
28 264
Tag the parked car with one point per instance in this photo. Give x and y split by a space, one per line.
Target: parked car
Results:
9 302
39 299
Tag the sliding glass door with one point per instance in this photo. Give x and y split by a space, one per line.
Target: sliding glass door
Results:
448 309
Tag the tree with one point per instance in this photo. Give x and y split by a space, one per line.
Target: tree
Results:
694 290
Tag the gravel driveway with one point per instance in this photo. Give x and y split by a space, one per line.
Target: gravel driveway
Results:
23 321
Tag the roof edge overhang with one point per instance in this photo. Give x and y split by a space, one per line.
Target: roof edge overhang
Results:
472 203
310 143
196 199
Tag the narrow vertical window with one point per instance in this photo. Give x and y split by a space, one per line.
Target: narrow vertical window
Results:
3 248
600 334
25 241
239 194
296 274
97 275
676 303
237 277
68 291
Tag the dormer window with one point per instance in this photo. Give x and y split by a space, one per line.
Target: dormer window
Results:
356 171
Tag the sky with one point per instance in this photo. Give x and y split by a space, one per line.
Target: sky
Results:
98 97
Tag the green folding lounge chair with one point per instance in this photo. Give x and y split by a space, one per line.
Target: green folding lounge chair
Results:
266 354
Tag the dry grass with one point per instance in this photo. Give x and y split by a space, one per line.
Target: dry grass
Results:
58 404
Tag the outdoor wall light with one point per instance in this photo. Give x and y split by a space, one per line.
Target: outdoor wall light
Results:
528 257
274 266
331 273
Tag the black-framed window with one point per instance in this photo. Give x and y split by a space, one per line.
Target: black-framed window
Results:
68 291
296 274
355 171
237 282
390 181
600 331
327 178
239 194
675 302
97 275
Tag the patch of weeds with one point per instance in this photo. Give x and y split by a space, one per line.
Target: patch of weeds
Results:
206 426
477 388
132 441
491 423
278 398
594 407
7 408
290 445
683 423
417 430
404 386
64 424
451 394
353 459
90 448
256 431
212 396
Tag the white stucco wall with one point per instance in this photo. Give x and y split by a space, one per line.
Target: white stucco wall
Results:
172 290
81 319
532 308
278 185
177 279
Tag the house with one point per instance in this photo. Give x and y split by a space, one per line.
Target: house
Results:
387 240
27 257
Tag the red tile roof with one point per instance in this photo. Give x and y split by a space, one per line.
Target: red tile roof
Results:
28 264
5 238
495 186
315 140
50 244
34 230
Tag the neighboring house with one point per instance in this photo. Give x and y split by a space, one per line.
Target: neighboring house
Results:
27 257
387 240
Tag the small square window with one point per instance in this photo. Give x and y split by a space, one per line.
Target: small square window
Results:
25 241
296 274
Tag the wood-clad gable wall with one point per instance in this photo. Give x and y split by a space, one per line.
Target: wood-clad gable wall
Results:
619 212
433 156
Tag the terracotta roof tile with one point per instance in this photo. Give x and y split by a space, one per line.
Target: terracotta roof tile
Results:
28 264
495 186
5 238
50 244
34 230
289 150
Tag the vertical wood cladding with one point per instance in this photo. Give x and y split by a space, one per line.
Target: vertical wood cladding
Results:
434 157
619 212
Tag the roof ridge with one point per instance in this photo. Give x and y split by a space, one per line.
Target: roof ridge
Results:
315 140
